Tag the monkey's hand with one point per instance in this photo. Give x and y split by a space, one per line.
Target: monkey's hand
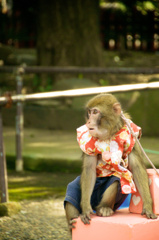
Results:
149 213
72 222
85 216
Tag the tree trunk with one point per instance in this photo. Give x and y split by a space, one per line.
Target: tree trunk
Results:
68 33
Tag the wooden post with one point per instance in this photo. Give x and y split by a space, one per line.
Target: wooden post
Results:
3 169
19 124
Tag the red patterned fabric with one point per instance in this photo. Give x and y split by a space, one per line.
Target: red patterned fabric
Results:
114 154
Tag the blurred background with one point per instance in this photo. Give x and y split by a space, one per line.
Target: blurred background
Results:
117 34
58 33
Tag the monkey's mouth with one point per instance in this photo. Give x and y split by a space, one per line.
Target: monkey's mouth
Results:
91 129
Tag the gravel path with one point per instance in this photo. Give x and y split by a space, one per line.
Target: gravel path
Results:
38 220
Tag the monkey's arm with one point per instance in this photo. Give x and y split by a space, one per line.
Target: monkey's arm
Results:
138 169
88 178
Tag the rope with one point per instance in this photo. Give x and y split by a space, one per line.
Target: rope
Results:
133 134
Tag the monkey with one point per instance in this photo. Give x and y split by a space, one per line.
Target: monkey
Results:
113 164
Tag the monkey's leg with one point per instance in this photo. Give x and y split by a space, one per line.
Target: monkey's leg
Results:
141 180
105 207
71 214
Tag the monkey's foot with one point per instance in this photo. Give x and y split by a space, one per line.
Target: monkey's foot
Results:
104 211
149 214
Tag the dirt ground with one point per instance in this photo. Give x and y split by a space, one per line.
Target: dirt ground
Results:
37 220
42 215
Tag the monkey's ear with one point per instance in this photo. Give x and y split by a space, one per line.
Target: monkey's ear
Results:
117 108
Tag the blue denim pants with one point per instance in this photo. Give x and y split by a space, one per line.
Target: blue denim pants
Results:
73 192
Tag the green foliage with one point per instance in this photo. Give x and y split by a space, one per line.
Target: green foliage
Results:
118 5
104 82
38 84
80 76
35 81
145 6
125 6
9 208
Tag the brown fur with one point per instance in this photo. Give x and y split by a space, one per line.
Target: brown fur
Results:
110 120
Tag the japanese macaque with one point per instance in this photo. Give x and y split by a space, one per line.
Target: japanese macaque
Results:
103 124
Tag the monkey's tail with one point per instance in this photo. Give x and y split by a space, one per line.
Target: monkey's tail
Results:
133 134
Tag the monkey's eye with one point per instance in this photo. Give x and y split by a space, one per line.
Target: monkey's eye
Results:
93 111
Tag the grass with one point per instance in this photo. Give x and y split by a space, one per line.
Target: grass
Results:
43 164
37 185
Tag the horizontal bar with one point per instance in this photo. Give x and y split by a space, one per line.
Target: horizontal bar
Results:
151 151
81 92
95 70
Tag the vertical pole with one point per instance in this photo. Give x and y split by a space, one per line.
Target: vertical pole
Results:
3 169
19 125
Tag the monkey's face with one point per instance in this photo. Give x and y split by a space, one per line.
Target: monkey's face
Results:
94 118
103 116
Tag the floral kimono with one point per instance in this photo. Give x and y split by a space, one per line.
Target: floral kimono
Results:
114 153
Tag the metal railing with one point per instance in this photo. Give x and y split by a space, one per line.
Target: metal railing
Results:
85 70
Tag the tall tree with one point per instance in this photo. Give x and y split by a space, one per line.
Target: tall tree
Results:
68 33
